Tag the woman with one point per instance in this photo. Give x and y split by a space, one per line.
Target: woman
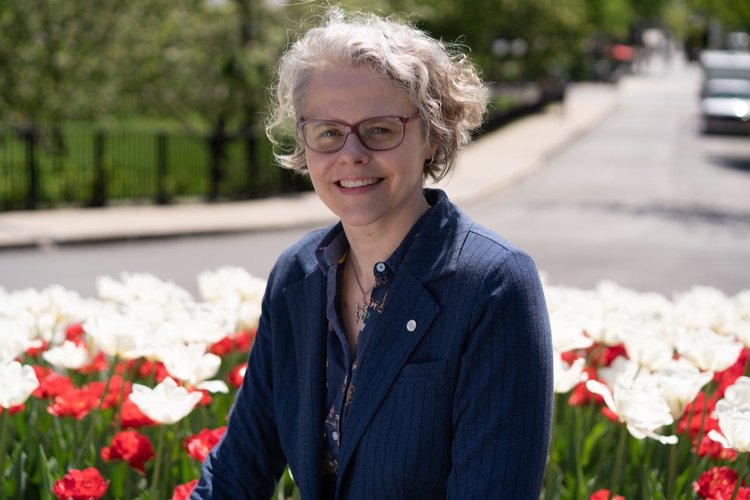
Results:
404 352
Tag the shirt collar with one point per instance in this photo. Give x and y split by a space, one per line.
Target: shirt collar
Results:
334 247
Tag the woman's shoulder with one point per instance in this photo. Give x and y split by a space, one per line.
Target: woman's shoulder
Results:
486 252
299 259
452 240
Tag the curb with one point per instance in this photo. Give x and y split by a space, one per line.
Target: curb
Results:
489 165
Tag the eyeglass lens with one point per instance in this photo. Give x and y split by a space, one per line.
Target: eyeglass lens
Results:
377 134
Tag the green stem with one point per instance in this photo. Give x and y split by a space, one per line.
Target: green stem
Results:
740 476
577 447
127 482
157 464
613 484
672 472
97 411
4 439
118 419
696 455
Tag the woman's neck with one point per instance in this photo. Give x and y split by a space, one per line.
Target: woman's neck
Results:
375 243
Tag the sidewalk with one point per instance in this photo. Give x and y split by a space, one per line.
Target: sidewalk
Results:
489 165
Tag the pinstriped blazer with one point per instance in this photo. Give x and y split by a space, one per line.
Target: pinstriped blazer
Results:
457 407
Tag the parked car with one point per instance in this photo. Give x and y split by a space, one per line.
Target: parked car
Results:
725 105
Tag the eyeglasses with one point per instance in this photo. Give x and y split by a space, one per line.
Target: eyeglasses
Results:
379 133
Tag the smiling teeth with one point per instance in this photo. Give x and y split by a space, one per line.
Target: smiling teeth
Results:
357 183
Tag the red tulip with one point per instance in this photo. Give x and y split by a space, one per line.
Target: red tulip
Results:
130 446
183 491
717 483
198 446
86 484
237 374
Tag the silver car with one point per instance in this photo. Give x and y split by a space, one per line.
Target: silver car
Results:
725 105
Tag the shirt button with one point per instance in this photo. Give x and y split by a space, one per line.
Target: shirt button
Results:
380 267
411 325
335 436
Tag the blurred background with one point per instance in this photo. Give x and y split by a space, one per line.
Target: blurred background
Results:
161 101
635 114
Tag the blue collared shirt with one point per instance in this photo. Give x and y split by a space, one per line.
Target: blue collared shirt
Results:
341 371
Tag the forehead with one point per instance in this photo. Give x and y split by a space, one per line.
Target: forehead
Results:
351 93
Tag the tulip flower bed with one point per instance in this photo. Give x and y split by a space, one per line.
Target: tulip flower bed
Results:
124 395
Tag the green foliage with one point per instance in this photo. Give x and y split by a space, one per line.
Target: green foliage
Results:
733 14
51 64
207 64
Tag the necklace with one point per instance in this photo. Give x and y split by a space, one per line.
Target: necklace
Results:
360 308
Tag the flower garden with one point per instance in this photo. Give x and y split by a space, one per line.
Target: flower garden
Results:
123 395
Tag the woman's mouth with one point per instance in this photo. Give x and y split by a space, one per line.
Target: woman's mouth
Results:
356 183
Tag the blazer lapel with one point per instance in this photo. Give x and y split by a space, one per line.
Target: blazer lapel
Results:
408 314
306 305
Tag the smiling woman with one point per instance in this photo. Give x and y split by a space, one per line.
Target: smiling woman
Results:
404 352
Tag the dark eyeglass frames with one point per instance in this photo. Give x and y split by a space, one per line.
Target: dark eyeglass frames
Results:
379 133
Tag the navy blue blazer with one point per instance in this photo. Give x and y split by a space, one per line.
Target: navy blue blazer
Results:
458 407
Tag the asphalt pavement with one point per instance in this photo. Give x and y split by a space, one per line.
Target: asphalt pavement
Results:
492 163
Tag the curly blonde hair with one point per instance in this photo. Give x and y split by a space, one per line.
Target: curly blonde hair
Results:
439 79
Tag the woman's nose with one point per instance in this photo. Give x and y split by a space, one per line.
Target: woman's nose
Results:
354 149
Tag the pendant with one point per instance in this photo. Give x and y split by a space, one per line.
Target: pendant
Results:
359 312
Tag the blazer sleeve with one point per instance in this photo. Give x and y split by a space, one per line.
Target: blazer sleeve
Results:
248 461
503 401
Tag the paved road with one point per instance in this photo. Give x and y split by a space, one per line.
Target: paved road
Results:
642 199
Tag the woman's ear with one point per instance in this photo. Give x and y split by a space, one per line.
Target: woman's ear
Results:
430 152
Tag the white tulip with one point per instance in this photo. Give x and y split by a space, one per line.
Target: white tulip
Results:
17 382
566 376
708 350
190 363
568 333
735 430
67 355
16 336
228 282
740 328
742 304
236 291
135 287
166 403
639 407
249 315
622 370
736 396
704 307
213 386
650 351
680 382
119 335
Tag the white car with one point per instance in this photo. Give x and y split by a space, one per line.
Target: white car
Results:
725 105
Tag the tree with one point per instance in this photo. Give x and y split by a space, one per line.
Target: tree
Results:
734 15
50 58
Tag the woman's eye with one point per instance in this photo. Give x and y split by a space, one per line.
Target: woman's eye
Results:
328 132
379 130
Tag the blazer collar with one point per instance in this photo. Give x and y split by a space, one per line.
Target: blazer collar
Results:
434 251
438 244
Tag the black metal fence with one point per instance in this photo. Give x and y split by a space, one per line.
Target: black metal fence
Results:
83 165
86 165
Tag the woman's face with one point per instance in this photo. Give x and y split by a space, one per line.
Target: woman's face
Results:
375 190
